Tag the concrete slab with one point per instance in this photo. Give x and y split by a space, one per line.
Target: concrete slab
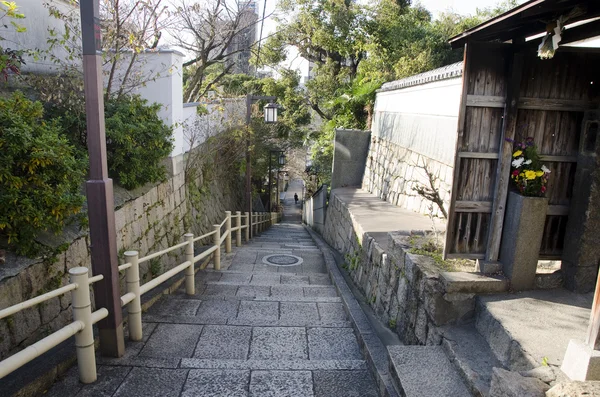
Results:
332 344
332 312
344 384
287 291
527 327
281 384
217 310
169 306
320 279
224 342
378 217
253 291
294 280
266 279
220 290
152 382
473 283
266 311
425 371
302 311
216 383
278 343
320 292
172 340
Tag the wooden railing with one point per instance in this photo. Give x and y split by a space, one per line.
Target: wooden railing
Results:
84 318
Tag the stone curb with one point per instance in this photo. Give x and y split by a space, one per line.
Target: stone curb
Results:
373 349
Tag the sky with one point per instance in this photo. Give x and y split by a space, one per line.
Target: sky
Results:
435 6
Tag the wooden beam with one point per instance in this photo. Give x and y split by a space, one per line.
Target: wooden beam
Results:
559 159
477 155
503 171
485 101
473 206
462 111
562 105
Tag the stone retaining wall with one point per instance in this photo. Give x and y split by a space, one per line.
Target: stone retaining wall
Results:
392 171
151 220
405 290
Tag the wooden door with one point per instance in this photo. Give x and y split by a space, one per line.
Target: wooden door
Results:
479 140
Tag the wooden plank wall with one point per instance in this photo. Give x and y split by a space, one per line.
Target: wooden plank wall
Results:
554 95
477 153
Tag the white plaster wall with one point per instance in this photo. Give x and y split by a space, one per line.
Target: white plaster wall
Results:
37 21
422 118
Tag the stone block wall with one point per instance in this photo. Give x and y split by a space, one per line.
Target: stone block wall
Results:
147 220
405 290
392 171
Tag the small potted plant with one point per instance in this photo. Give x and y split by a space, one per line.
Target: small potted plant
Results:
525 215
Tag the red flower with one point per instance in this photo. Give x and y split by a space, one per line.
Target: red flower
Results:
543 189
515 172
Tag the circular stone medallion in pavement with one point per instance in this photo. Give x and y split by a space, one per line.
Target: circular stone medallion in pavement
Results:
282 260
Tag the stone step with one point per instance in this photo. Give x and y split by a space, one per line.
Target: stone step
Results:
282 365
473 283
187 310
420 371
263 278
472 357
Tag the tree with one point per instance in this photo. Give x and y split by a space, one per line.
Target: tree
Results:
207 31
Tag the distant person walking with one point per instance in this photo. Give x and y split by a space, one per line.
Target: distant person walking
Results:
296 198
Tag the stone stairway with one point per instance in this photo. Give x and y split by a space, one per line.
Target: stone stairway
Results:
252 329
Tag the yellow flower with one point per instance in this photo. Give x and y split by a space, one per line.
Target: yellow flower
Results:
517 153
529 174
539 173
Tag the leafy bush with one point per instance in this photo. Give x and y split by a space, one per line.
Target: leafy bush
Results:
40 176
137 141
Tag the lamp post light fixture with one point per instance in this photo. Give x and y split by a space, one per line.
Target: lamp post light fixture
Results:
281 163
270 110
270 117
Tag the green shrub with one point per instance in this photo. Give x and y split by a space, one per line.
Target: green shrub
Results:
40 176
137 141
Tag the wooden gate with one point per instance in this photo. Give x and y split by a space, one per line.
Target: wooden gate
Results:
508 95
478 142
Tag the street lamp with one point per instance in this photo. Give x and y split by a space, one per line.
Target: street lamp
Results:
270 113
99 188
281 163
270 117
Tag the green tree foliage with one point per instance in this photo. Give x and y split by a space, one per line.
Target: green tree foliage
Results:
40 174
137 140
10 60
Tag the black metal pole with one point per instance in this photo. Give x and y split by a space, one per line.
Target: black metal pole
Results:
99 188
270 183
248 171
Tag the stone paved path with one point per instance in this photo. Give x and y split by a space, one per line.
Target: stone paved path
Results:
252 329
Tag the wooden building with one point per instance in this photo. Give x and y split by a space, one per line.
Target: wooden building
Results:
509 92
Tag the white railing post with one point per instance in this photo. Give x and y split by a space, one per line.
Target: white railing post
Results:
228 231
190 287
134 308
82 311
248 223
253 224
217 242
238 231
